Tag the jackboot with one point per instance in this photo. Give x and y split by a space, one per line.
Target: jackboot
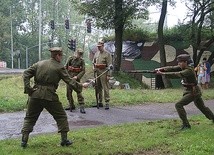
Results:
25 137
71 106
64 140
100 105
107 106
82 109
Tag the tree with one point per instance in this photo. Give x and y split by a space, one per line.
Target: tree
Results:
114 14
24 17
161 43
11 11
201 19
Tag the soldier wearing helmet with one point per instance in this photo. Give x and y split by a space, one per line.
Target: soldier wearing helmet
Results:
192 91
47 74
102 62
75 66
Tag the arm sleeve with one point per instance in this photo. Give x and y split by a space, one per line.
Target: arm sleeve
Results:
66 78
185 73
172 69
27 75
67 62
80 75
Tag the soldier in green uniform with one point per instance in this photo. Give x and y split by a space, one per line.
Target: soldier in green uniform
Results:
102 61
47 74
192 91
76 69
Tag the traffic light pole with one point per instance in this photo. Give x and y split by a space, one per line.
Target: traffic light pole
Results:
11 29
40 27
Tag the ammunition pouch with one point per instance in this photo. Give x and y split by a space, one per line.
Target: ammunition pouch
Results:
100 66
74 69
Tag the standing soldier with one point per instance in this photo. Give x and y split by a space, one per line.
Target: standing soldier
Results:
192 91
102 63
47 74
76 69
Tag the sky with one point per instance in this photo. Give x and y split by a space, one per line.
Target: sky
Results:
174 14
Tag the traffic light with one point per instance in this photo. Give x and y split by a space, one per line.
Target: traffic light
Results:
67 24
52 24
72 44
89 27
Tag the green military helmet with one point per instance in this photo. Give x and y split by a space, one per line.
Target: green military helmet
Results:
100 43
55 49
79 50
183 57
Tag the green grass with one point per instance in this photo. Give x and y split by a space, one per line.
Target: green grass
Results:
146 138
13 98
151 137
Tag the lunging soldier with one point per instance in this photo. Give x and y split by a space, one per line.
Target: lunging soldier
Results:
192 91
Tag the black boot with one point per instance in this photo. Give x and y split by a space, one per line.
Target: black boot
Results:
70 108
107 106
73 107
82 109
100 105
64 140
25 137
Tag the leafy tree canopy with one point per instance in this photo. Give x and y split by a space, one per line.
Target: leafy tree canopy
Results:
104 11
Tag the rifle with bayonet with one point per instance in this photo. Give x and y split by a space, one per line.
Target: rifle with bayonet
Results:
141 71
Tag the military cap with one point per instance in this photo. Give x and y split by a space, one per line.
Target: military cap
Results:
55 49
79 50
100 43
183 57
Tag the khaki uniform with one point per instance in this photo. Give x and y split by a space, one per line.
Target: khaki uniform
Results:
47 74
191 93
75 67
102 60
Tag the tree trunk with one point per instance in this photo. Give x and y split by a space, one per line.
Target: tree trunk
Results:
161 44
119 24
118 49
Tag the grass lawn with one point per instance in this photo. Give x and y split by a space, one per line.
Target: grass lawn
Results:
146 138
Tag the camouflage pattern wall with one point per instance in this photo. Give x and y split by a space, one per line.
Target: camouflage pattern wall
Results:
146 56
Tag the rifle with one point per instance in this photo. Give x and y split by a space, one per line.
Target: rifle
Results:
96 89
96 86
141 71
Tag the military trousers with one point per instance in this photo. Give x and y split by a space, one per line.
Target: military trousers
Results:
199 103
70 98
103 87
34 109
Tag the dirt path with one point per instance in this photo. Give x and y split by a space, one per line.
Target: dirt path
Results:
11 123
